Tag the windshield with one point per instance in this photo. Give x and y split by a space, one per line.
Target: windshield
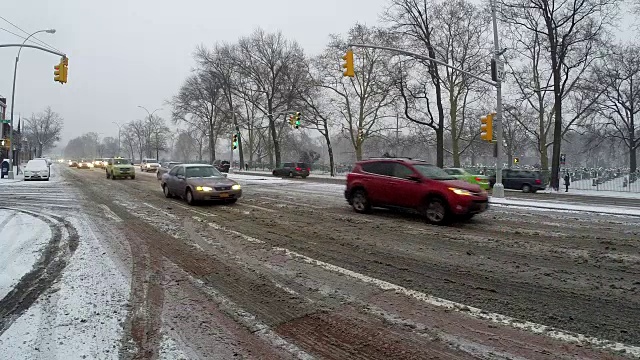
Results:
34 164
121 162
151 160
202 171
432 172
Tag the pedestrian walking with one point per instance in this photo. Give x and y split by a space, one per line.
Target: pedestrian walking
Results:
567 181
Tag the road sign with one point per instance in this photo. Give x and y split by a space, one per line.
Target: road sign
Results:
563 159
5 121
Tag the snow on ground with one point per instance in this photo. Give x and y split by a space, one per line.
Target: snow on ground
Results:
255 180
612 210
22 237
602 193
169 350
615 185
80 316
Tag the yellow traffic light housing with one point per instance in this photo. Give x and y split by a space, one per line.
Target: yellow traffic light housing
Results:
235 141
486 127
60 71
296 118
516 160
348 65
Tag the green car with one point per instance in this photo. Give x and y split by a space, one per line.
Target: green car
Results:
462 174
120 168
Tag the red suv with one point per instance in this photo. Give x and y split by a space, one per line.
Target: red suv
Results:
413 184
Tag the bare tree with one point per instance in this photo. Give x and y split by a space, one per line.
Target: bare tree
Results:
572 30
159 135
138 137
460 34
268 64
199 101
413 21
43 130
619 75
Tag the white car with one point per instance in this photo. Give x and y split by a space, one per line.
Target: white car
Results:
149 165
37 169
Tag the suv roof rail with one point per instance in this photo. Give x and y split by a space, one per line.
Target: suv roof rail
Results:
390 158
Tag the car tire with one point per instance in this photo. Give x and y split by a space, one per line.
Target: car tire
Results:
526 188
133 177
107 174
189 197
360 202
167 192
112 177
436 211
232 201
274 173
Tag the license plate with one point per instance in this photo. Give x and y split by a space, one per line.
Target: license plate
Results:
224 195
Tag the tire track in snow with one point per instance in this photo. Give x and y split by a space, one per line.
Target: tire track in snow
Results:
45 273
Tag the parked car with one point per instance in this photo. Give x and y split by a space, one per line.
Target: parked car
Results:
73 163
165 167
37 169
413 184
292 169
222 165
199 182
149 165
120 168
462 174
516 179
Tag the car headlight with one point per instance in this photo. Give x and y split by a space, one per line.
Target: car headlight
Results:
460 191
204 188
235 187
90 165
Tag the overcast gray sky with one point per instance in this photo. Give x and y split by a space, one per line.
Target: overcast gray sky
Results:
128 53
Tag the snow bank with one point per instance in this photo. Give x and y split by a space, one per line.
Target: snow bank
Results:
612 210
80 316
22 237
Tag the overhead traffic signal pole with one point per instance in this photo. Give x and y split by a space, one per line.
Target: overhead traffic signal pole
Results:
13 92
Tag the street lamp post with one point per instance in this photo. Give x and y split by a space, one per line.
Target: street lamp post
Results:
119 131
13 98
150 114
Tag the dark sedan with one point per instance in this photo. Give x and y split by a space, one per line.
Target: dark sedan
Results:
199 182
165 167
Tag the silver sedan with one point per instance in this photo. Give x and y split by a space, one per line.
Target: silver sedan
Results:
198 182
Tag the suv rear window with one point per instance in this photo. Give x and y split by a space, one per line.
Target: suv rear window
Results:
302 165
288 165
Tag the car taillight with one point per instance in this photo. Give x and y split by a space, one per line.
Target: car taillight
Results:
308 169
298 169
538 181
479 179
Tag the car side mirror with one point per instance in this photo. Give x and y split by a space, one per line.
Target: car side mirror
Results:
224 174
414 178
181 177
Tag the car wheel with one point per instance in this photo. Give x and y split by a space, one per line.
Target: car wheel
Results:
526 188
167 192
112 177
133 177
436 211
107 174
360 202
189 197
274 173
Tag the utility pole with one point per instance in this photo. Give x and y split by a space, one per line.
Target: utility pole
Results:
498 187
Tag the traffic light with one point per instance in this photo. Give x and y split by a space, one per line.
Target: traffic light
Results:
486 127
348 65
360 135
516 160
296 118
5 143
235 141
291 120
60 71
